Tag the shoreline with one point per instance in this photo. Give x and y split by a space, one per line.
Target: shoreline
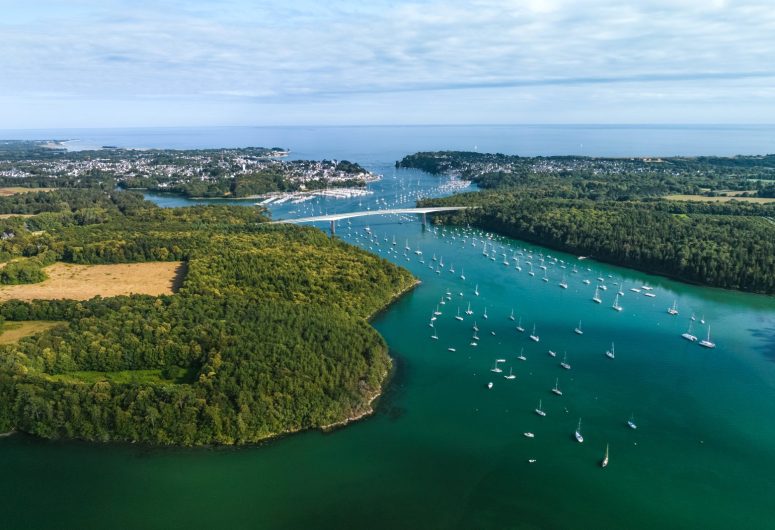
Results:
574 252
386 377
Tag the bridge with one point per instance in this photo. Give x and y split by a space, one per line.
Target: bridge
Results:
334 217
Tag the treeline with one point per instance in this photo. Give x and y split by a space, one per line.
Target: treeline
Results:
267 334
730 251
611 209
604 178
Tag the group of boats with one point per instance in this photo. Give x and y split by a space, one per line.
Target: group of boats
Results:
466 299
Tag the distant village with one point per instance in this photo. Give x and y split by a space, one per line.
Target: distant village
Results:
173 169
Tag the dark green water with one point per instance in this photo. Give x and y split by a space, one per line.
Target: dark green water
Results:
442 451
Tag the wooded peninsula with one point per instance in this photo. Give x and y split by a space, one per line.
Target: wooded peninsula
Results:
266 332
660 215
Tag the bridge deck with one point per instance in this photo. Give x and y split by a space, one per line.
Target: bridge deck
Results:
348 215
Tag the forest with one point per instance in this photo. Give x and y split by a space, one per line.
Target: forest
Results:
268 333
612 210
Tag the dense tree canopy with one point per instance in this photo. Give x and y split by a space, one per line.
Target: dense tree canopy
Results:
266 335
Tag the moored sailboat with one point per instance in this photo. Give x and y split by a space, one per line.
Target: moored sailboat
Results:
616 306
577 434
707 342
596 298
533 335
688 335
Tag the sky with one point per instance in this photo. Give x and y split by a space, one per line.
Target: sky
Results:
136 63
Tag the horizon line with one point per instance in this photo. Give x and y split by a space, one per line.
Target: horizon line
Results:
298 126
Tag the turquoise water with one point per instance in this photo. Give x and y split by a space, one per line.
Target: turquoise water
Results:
443 451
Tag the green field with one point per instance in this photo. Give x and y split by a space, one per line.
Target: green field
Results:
13 331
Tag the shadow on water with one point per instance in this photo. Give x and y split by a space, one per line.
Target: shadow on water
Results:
766 336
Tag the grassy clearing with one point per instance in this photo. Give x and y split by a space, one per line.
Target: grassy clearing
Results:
13 331
13 190
703 198
82 282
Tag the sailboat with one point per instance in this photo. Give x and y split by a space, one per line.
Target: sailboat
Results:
578 330
604 462
495 368
688 335
556 388
394 240
545 278
451 349
707 342
596 298
522 355
564 362
462 274
511 316
563 283
533 335
616 306
579 437
631 422
511 374
437 312
434 336
539 410
672 310
475 328
530 272
469 311
476 290
552 353
611 353
418 251
458 317
489 385
519 326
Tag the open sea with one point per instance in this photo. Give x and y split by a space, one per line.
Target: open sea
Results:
443 450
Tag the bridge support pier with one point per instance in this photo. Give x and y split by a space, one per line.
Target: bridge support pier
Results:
424 219
333 228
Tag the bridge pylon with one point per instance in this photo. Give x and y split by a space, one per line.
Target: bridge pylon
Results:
333 227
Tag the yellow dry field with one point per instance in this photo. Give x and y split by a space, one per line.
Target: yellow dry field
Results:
13 190
702 198
82 282
13 331
9 215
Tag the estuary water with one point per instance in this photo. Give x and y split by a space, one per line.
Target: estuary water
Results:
443 450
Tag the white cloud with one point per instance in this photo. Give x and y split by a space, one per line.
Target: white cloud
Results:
333 54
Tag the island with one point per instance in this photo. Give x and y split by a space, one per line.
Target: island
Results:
126 322
704 220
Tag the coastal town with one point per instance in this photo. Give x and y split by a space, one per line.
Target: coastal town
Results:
238 172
